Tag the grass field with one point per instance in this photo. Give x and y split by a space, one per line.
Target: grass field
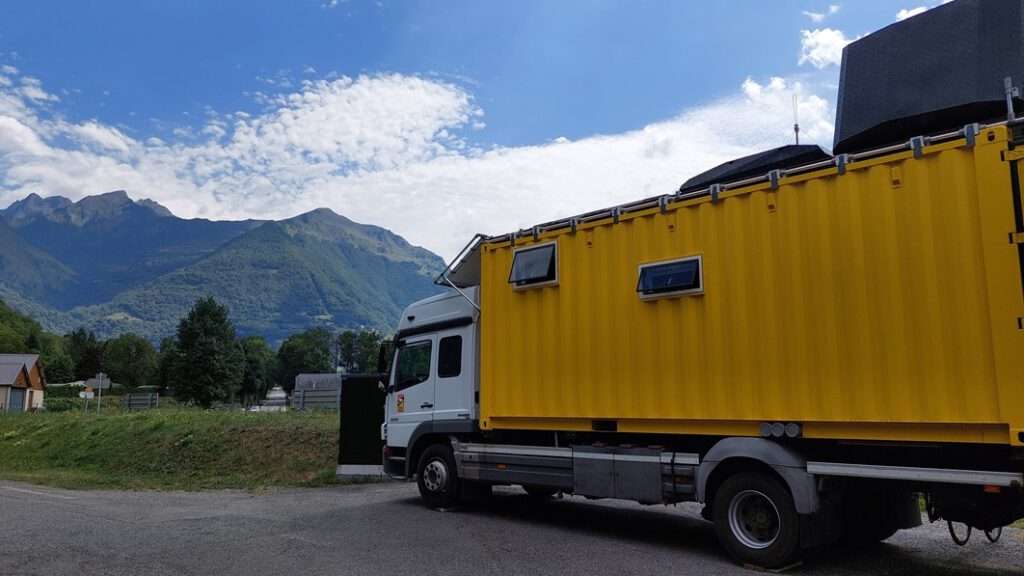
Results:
175 448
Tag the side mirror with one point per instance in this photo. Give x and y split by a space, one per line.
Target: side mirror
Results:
387 351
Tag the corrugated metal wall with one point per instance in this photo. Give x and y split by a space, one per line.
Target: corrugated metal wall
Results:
868 298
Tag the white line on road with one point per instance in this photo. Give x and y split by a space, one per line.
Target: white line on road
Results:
37 492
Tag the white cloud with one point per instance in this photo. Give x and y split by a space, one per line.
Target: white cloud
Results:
95 134
32 89
822 47
819 17
910 12
905 13
390 150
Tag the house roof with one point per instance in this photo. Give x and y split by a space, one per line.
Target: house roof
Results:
10 364
9 373
27 360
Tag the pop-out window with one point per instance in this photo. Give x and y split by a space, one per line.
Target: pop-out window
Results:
413 366
449 357
535 265
672 278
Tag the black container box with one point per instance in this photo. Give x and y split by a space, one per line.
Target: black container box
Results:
929 74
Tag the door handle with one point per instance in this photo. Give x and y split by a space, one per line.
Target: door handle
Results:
426 405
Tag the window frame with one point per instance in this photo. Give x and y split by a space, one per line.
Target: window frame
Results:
699 258
440 343
429 343
527 248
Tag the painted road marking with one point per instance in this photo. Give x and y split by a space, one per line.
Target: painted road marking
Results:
37 492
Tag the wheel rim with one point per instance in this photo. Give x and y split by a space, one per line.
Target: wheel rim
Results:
754 519
435 476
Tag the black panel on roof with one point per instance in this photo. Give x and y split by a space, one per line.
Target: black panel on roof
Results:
929 74
757 165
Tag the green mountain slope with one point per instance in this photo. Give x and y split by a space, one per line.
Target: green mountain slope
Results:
317 269
111 242
30 272
114 265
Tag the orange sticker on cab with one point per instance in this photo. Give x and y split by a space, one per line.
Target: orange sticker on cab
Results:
401 402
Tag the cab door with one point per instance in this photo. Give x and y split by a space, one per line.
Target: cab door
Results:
455 382
411 390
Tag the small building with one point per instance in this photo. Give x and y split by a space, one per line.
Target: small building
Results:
22 383
322 381
319 391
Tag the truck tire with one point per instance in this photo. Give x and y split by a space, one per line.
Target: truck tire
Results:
756 521
437 477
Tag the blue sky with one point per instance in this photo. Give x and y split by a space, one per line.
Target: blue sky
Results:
480 115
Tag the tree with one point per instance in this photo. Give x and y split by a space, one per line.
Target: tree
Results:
56 361
259 365
86 352
209 365
358 350
168 363
130 360
10 341
308 351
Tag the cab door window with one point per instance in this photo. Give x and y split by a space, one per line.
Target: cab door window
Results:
413 365
449 357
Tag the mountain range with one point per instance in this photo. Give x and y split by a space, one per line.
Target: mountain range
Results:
113 264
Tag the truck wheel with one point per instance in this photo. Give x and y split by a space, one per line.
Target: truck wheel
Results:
756 521
437 478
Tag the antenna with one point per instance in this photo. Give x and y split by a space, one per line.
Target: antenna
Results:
796 119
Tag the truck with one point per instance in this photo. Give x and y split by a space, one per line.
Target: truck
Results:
812 345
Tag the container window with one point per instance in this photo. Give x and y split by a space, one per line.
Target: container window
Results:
534 266
449 357
413 366
672 278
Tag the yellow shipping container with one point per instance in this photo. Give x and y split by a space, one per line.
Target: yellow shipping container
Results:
883 303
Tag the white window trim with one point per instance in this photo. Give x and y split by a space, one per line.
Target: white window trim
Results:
692 292
536 284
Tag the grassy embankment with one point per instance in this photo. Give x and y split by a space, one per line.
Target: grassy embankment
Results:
170 448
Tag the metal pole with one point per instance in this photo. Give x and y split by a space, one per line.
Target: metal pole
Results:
1011 92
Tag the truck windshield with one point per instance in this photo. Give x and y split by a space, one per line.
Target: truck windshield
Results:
413 365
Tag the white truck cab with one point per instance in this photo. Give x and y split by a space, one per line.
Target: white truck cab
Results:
433 382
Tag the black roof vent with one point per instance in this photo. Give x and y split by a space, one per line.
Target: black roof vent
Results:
758 164
932 73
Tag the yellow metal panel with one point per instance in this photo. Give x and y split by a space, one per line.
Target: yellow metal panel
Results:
878 304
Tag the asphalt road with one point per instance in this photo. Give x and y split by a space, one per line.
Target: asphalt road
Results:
382 529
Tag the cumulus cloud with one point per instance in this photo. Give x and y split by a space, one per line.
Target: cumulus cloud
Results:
905 13
819 17
390 150
94 134
822 47
910 12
